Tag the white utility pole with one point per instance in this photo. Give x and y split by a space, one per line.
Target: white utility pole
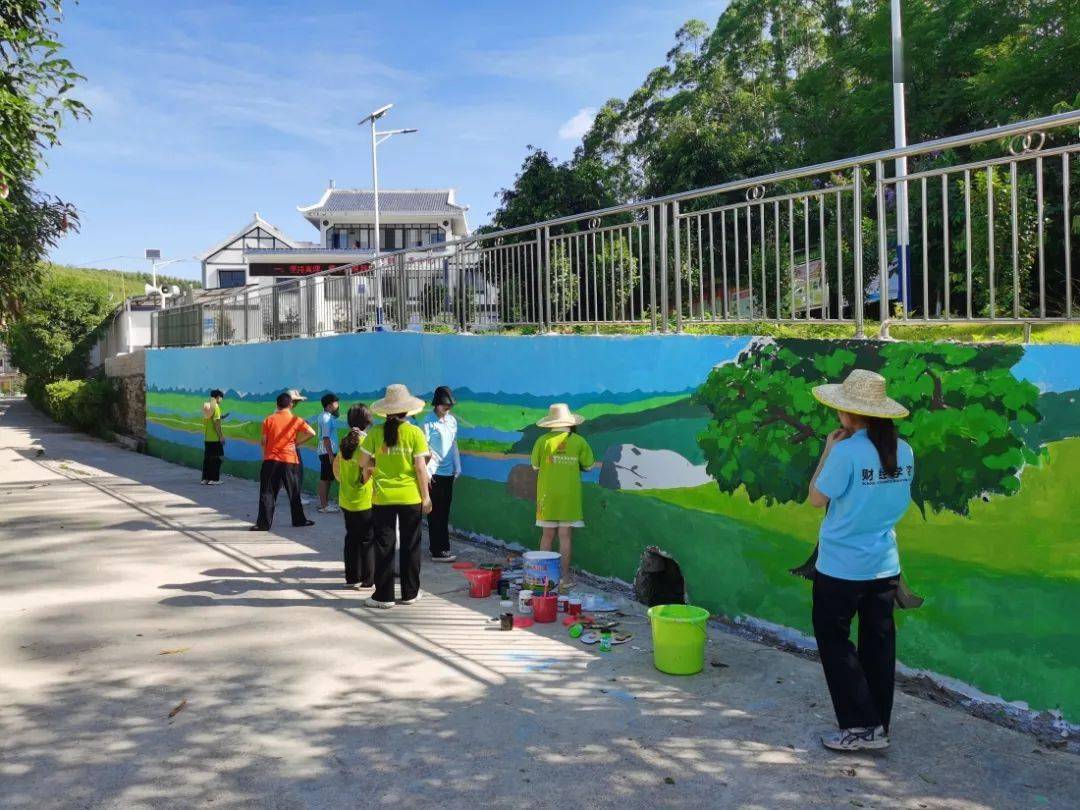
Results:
153 255
903 252
376 139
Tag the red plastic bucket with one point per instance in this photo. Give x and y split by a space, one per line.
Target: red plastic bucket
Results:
479 582
496 573
545 608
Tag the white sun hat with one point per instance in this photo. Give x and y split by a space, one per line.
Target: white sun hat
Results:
862 393
296 396
397 400
559 415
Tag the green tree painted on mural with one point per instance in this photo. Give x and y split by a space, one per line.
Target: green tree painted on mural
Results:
966 429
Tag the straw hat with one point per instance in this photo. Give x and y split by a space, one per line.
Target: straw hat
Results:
559 415
296 395
397 400
862 393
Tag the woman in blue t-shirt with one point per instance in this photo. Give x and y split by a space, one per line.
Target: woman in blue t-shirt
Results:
864 480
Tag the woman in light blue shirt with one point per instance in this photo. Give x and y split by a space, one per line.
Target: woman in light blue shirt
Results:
864 480
440 430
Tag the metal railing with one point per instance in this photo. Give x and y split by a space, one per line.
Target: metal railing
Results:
989 217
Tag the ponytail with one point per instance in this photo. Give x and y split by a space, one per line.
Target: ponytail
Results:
393 424
359 419
882 434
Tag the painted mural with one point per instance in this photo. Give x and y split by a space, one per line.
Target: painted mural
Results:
705 447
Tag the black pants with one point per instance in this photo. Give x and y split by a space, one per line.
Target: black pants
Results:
860 679
406 520
272 476
359 548
438 522
211 461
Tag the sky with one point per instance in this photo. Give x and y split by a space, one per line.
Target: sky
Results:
206 112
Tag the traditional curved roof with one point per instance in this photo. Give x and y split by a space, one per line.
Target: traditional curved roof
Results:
391 201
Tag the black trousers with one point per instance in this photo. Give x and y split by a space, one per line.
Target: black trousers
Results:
389 521
860 679
213 453
359 548
438 522
272 476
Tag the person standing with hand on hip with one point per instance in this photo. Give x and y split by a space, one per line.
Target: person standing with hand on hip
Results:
440 431
214 439
281 432
864 481
395 455
326 426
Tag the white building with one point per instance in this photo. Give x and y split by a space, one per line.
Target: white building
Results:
261 254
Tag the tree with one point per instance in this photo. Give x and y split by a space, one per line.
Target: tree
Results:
966 428
35 82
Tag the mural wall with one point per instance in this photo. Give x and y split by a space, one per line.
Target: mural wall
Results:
706 445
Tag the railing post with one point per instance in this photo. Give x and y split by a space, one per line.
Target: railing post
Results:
247 317
403 293
652 266
221 322
860 289
663 268
350 306
883 242
678 265
543 251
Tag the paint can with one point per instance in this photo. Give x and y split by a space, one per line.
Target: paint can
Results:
542 570
605 641
525 602
506 615
564 601
573 606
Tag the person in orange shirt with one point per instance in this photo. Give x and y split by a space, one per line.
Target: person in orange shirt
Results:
282 431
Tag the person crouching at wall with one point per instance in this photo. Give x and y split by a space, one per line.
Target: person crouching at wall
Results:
214 439
864 480
282 431
354 497
395 455
560 457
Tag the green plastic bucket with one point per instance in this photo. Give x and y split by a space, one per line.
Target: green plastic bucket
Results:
678 634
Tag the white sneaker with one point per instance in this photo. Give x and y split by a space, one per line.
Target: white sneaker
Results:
372 602
356 586
214 483
856 739
412 601
331 508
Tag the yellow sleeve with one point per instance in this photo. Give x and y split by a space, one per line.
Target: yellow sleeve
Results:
368 444
536 453
585 455
420 445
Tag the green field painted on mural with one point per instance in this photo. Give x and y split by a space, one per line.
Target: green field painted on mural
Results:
193 457
1044 512
1004 632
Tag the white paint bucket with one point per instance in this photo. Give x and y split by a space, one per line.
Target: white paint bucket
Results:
541 567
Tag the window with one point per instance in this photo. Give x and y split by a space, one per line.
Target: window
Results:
232 278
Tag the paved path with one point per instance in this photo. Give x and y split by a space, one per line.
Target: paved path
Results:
126 590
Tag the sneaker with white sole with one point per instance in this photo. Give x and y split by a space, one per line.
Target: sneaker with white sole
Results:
372 602
214 483
329 509
412 601
443 556
856 739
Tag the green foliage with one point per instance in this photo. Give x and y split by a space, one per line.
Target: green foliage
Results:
35 86
968 417
83 404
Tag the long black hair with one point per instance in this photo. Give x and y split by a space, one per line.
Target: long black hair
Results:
882 434
359 418
393 424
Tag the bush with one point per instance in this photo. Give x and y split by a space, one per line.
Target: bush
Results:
83 404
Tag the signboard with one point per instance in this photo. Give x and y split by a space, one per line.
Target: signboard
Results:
295 269
896 278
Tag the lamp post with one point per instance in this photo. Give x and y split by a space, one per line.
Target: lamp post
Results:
153 255
900 139
376 139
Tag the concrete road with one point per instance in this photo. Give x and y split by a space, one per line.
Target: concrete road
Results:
128 593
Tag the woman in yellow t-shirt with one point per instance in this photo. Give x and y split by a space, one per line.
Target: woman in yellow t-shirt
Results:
395 456
354 497
560 457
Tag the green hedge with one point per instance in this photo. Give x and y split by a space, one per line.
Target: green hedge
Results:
83 404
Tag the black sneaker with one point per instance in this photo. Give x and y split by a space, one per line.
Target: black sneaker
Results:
305 523
857 739
258 528
442 556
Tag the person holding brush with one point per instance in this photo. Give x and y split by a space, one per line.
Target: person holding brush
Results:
863 480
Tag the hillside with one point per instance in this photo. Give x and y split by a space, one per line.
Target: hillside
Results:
116 284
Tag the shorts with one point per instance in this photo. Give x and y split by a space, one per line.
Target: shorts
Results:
561 524
326 468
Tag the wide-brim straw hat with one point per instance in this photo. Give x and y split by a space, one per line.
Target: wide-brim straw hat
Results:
296 395
862 393
559 415
397 400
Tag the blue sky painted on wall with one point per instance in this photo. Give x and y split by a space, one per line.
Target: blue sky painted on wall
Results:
538 366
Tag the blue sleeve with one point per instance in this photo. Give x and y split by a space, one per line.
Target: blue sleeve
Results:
835 476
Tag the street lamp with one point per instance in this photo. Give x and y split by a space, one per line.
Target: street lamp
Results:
900 137
153 255
376 139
